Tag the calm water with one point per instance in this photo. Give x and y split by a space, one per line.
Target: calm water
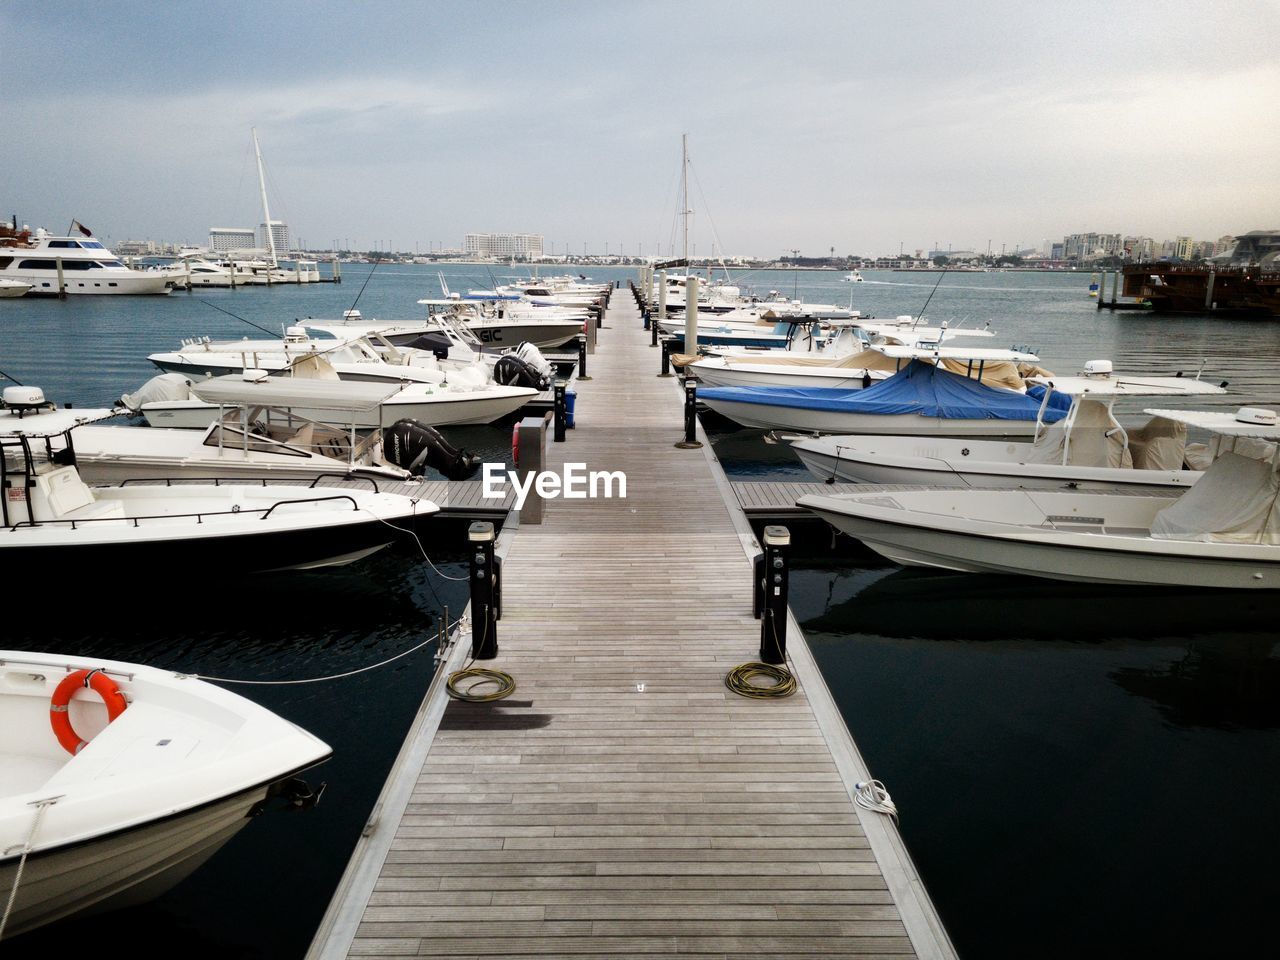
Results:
1079 770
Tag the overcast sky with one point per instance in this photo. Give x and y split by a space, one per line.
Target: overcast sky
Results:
811 125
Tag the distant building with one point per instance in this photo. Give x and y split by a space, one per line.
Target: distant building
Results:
135 248
279 233
503 245
227 239
1183 248
1091 246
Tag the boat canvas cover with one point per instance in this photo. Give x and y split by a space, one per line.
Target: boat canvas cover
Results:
165 387
1090 444
1236 501
918 388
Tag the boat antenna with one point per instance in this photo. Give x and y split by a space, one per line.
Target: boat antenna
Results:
269 333
942 273
14 379
376 261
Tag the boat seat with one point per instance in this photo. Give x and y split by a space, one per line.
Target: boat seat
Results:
59 492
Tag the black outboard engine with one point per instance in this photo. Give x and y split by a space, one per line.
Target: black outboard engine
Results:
437 343
511 371
415 446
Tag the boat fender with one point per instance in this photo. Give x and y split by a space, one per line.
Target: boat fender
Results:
60 719
515 446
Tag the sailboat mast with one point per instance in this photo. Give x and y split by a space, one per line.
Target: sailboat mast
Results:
262 185
684 178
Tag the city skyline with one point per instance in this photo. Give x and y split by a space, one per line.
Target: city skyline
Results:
887 127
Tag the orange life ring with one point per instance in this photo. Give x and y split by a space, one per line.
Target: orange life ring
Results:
94 680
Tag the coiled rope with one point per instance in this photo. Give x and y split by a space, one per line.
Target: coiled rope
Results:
503 685
741 681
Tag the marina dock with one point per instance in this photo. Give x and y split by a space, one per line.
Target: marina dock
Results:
622 801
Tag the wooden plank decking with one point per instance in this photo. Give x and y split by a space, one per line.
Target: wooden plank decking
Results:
622 801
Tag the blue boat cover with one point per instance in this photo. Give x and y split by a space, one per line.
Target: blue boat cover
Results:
919 388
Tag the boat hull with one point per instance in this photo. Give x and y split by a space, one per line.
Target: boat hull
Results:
886 523
937 462
124 868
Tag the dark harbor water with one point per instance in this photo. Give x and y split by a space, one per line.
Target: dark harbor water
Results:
1080 771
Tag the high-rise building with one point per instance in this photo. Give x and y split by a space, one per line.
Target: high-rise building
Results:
279 233
228 239
503 245
1183 248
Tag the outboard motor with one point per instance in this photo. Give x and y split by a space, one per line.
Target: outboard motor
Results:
415 446
437 343
511 371
534 358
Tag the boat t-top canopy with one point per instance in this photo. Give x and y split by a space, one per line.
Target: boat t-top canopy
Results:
1123 386
920 351
286 392
50 423
1227 424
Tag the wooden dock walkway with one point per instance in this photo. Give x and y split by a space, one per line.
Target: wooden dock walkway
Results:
623 801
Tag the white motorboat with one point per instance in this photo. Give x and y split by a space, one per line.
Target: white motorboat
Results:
844 362
53 520
299 354
498 324
226 450
1087 448
85 265
1223 532
13 288
933 394
144 775
337 403
852 277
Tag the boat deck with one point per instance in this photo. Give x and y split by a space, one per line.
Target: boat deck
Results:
622 801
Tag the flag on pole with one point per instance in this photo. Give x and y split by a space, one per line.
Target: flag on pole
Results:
77 225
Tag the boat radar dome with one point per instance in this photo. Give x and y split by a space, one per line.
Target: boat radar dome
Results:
1255 415
350 314
23 398
1097 368
253 375
295 333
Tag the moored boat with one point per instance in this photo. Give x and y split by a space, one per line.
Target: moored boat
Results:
144 775
1223 532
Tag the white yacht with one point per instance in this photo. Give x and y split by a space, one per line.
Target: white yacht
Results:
144 776
1223 532
86 266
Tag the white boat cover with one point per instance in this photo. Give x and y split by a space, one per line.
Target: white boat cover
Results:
1159 445
1090 446
167 386
1234 502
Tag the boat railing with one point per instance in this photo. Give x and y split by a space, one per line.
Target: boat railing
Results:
236 509
242 481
